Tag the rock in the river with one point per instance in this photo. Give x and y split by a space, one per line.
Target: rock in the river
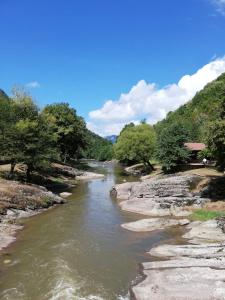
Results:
152 224
186 262
65 194
203 232
159 196
193 283
194 251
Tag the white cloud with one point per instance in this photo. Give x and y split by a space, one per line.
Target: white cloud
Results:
146 100
220 6
33 85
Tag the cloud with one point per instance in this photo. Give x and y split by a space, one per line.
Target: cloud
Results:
146 100
33 85
220 6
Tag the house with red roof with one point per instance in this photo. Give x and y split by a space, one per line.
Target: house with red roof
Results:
195 148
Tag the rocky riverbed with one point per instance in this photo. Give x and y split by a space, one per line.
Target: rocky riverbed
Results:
19 200
194 270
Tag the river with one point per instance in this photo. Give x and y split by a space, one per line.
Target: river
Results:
77 250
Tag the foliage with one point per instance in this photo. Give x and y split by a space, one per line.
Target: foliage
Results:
205 153
195 115
170 146
98 148
70 129
204 215
216 142
136 144
216 137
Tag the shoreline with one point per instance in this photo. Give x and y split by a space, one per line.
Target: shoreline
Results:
168 201
10 217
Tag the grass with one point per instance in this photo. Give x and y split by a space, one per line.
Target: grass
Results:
204 215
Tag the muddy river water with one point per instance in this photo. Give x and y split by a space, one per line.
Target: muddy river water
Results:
77 250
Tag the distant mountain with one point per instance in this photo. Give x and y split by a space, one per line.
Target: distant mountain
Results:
111 138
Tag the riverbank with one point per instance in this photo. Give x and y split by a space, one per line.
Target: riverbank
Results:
22 200
195 269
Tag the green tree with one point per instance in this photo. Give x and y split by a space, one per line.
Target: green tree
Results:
170 146
136 143
216 137
70 129
36 143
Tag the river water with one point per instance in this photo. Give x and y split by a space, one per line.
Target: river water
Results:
77 250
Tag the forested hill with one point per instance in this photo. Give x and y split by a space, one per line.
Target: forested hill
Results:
197 113
98 147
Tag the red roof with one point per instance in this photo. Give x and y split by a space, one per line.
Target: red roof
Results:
195 146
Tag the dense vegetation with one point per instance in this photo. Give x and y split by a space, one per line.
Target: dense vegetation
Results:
196 114
36 138
136 144
202 119
98 147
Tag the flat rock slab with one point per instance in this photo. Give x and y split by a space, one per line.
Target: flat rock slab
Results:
167 196
203 232
65 194
186 262
89 176
194 283
195 251
152 224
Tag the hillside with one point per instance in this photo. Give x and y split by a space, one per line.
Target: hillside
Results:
98 147
198 112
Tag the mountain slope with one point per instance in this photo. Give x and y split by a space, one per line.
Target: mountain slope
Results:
198 112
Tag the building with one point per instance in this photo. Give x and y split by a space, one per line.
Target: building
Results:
195 148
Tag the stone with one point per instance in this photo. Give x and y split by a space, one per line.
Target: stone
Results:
194 251
152 224
65 194
165 196
193 283
186 262
89 176
204 232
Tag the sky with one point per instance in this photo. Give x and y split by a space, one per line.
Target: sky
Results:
114 61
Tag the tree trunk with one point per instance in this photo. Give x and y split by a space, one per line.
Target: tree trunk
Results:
150 165
12 168
28 173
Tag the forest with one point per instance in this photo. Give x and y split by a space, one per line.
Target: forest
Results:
36 137
202 119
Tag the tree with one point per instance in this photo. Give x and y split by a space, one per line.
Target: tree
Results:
26 136
136 143
98 148
36 143
69 128
216 137
170 146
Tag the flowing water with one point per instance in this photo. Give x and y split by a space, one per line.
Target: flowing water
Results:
77 250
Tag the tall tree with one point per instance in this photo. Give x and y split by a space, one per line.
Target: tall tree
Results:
170 146
69 128
136 143
216 137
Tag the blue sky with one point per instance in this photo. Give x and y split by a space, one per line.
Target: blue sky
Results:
89 51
